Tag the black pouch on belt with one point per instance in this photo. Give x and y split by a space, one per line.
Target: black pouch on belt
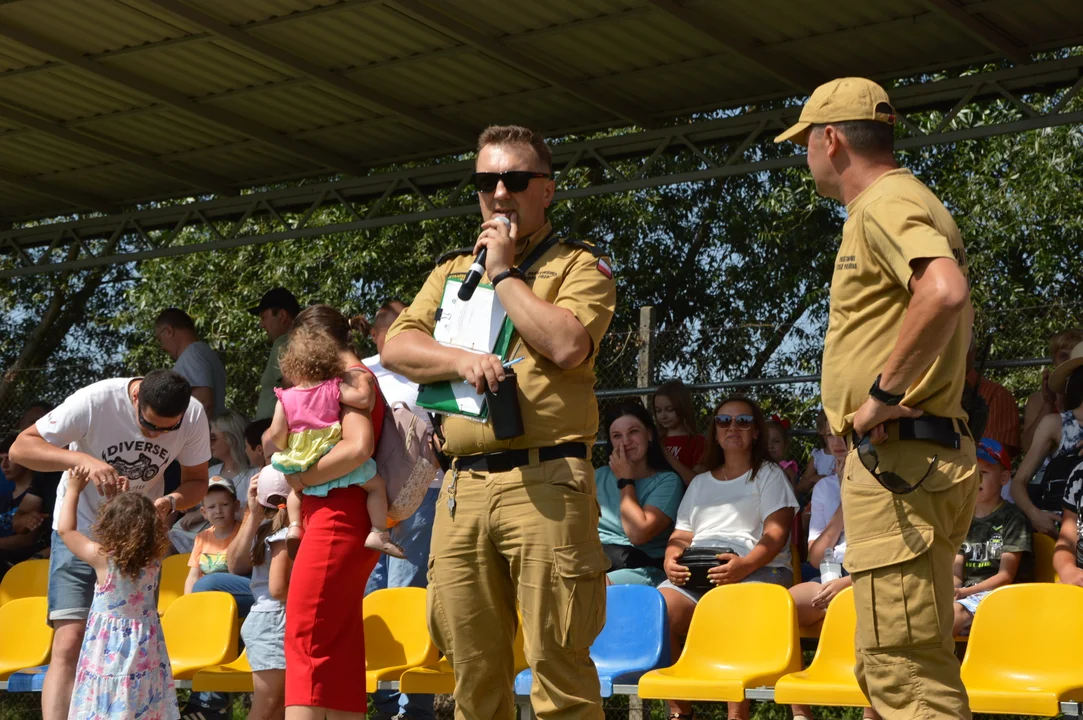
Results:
504 409
699 560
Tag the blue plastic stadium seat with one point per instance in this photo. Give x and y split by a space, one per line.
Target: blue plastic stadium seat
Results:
635 639
28 680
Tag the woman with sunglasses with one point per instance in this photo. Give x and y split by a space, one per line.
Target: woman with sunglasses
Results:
744 503
638 493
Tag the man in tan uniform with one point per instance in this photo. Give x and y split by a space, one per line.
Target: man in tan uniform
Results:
893 377
517 520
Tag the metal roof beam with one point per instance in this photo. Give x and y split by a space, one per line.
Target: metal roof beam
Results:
353 89
196 178
78 198
453 28
179 100
984 31
737 44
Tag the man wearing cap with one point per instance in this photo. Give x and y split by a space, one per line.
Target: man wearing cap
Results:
517 519
276 310
893 376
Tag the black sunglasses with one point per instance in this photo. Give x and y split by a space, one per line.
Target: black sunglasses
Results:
743 422
147 424
866 452
514 180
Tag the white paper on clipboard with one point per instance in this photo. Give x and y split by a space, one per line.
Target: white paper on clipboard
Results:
473 324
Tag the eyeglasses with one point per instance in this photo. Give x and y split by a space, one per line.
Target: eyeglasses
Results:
514 180
866 452
148 425
742 422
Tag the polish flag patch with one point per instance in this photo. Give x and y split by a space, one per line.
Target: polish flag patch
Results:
604 269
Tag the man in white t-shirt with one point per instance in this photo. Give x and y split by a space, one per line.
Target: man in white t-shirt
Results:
124 432
414 534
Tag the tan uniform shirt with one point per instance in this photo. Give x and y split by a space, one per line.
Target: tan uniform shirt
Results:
557 405
894 222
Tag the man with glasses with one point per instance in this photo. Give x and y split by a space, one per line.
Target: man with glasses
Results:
124 432
517 522
894 370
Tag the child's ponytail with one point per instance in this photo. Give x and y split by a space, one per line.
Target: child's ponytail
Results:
278 518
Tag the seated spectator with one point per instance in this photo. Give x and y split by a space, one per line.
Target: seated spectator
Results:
1068 553
1054 450
219 508
23 530
253 443
1002 422
997 550
46 483
778 447
745 504
826 531
228 446
639 495
676 417
1046 400
822 463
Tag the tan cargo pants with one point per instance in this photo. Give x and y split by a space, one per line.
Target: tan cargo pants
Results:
529 535
900 550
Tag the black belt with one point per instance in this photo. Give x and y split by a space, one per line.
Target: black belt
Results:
931 428
506 460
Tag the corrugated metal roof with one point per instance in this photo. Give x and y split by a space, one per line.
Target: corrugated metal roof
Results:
422 76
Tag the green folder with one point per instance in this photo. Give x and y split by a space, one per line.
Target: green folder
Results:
440 397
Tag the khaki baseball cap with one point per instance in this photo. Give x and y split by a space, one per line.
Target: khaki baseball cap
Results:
850 98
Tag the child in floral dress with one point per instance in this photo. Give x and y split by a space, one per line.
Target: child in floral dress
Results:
123 669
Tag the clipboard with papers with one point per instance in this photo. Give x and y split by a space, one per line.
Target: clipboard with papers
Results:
479 325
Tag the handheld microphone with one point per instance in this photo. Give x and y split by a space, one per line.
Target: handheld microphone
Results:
473 276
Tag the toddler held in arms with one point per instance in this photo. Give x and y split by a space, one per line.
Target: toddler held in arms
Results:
306 423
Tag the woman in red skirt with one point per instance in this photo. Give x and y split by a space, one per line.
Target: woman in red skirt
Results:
325 635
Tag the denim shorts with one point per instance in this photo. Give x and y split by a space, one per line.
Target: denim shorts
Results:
971 602
773 575
264 635
71 583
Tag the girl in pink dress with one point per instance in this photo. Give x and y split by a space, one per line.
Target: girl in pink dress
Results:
306 424
123 669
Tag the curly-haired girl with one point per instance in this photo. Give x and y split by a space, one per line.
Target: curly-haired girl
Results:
306 424
123 667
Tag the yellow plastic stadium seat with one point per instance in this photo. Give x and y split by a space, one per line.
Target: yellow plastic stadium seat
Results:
741 636
174 574
829 680
1043 558
1023 655
200 632
235 677
439 679
26 639
30 578
396 635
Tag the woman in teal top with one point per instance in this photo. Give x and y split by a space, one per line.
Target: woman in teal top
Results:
639 495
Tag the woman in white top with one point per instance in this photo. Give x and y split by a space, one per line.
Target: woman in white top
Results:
744 503
825 531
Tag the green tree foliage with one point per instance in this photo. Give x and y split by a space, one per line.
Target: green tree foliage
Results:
738 269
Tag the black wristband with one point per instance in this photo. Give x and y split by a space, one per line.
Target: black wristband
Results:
510 272
882 395
624 482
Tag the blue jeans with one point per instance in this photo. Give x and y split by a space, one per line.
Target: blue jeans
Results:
237 586
415 536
